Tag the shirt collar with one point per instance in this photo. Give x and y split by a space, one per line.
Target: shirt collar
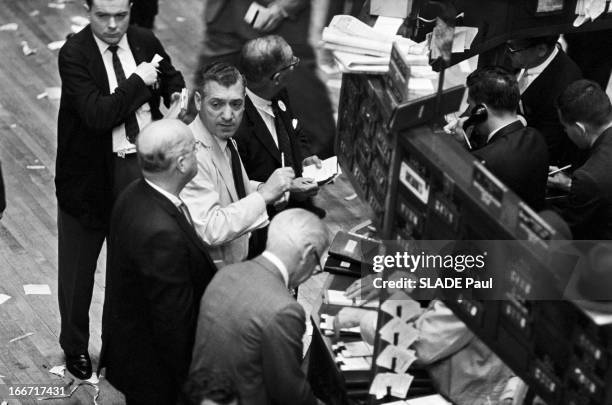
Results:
222 142
279 265
173 199
260 103
537 70
496 130
103 46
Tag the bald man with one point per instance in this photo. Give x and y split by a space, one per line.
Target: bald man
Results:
157 270
251 327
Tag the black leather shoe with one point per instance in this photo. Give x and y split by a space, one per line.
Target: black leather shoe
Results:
79 365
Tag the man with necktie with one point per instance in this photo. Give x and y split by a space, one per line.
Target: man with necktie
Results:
545 71
112 82
225 205
157 270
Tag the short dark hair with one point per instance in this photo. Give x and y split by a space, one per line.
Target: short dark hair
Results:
222 73
209 384
261 57
90 2
494 86
585 101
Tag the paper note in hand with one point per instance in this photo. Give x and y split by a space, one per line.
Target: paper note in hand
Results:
156 58
254 14
328 171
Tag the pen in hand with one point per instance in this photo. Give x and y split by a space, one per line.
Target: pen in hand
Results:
559 170
282 159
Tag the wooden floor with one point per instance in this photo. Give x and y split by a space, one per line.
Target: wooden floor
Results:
28 232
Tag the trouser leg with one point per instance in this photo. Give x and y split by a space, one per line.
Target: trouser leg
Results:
78 248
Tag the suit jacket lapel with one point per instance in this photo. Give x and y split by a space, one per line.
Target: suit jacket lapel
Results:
217 155
261 130
96 63
137 50
512 127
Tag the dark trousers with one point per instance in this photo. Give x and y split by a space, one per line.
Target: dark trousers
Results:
79 248
125 171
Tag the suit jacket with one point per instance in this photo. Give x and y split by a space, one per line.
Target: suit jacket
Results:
251 327
226 31
539 105
257 149
88 113
519 158
157 271
221 219
2 196
589 210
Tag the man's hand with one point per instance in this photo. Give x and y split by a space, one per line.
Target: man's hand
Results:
312 160
560 180
147 72
303 188
455 128
278 182
270 20
175 106
363 288
348 318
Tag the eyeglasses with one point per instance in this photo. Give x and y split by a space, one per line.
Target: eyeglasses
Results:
319 268
294 62
512 50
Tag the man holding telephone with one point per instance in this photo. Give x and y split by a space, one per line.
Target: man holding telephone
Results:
113 76
514 153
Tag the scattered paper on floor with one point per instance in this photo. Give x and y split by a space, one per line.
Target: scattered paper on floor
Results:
37 289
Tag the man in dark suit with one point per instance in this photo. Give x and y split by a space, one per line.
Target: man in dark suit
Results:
157 271
586 115
270 132
111 89
251 327
226 31
2 197
515 154
545 71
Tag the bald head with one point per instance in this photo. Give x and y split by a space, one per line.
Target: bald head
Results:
261 57
160 142
299 238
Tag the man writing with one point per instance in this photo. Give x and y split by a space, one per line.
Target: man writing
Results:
586 115
111 88
226 206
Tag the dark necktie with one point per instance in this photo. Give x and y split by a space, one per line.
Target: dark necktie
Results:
236 170
284 142
183 208
131 124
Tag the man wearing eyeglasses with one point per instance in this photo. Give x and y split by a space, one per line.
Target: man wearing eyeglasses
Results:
251 327
225 204
270 134
545 71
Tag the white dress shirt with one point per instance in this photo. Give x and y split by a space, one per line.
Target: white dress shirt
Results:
143 114
264 108
278 264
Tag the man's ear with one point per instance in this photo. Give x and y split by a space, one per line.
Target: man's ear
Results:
87 8
582 127
197 100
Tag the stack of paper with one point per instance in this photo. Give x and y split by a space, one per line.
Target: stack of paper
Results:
328 171
346 34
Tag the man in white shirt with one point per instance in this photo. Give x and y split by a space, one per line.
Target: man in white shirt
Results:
111 88
225 205
545 71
